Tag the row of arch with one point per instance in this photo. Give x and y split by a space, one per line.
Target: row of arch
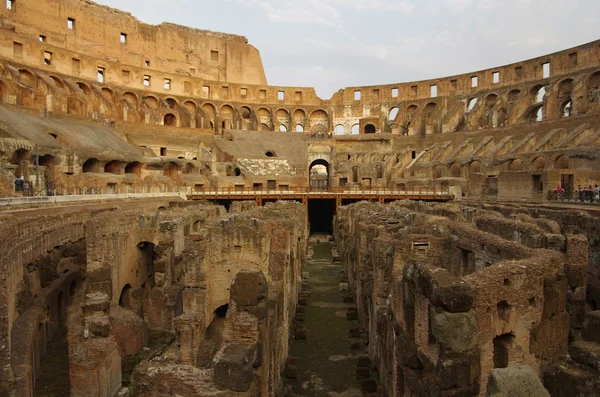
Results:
132 106
539 163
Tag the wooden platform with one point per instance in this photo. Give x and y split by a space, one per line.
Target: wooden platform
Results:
338 194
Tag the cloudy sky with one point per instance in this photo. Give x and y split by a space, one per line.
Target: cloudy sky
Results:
332 44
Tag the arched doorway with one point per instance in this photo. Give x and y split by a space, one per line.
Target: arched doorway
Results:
318 172
370 129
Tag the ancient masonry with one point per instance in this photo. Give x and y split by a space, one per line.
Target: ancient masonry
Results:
157 199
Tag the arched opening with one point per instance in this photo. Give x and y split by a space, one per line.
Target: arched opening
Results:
282 128
108 94
134 167
454 170
429 124
125 299
370 129
539 163
438 171
516 165
130 98
151 102
319 175
190 168
537 93
355 171
355 129
58 82
561 162
172 103
245 112
539 115
91 165
299 128
471 104
593 87
87 91
270 153
566 108
113 167
237 171
393 114
503 345
190 107
221 311
319 129
339 130
475 167
170 120
513 96
171 170
20 158
226 113
263 127
27 78
379 171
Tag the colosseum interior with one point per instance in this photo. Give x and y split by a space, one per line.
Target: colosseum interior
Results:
172 225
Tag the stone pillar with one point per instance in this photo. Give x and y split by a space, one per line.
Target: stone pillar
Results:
190 331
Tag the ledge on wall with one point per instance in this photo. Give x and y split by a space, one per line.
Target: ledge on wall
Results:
365 137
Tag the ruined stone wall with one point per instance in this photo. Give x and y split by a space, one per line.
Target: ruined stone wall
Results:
456 292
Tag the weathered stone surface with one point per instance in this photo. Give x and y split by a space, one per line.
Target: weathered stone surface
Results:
515 381
249 288
591 326
456 331
586 353
233 368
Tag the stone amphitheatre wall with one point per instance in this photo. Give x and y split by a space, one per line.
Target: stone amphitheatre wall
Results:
509 132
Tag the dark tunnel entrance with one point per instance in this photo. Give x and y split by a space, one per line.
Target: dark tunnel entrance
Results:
320 215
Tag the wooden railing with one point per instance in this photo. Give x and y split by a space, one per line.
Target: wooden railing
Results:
340 191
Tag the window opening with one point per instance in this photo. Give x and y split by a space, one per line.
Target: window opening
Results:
100 74
47 58
167 84
394 93
433 90
357 95
123 38
71 23
280 95
474 81
496 77
42 38
146 80
17 49
546 70
10 5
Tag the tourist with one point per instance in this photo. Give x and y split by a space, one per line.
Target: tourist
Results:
597 194
579 193
558 192
19 182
